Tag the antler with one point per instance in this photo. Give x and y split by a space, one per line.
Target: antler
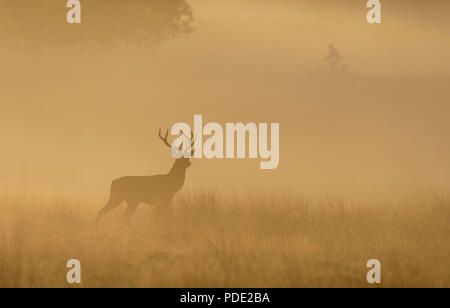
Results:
165 138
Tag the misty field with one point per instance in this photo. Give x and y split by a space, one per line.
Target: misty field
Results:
219 241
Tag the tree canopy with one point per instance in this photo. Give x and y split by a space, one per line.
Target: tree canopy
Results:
140 23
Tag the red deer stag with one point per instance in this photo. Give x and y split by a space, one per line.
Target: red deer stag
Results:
155 190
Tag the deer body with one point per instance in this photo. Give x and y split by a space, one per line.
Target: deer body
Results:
154 190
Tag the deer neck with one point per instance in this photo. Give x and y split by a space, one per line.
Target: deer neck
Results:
177 175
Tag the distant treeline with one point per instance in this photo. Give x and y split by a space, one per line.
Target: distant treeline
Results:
104 22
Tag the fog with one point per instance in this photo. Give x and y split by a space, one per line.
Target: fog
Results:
74 118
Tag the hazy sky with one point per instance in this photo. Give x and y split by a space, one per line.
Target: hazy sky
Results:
74 119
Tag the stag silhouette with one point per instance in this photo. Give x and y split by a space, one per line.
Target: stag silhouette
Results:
155 190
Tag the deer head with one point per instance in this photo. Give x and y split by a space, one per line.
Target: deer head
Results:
182 162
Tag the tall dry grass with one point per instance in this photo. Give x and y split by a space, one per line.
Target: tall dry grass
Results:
220 241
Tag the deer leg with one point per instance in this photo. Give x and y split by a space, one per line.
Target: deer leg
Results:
169 209
165 208
112 204
132 206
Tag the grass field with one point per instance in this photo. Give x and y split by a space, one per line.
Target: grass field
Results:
220 241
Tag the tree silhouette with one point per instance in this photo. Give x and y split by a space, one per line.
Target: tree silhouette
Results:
38 23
